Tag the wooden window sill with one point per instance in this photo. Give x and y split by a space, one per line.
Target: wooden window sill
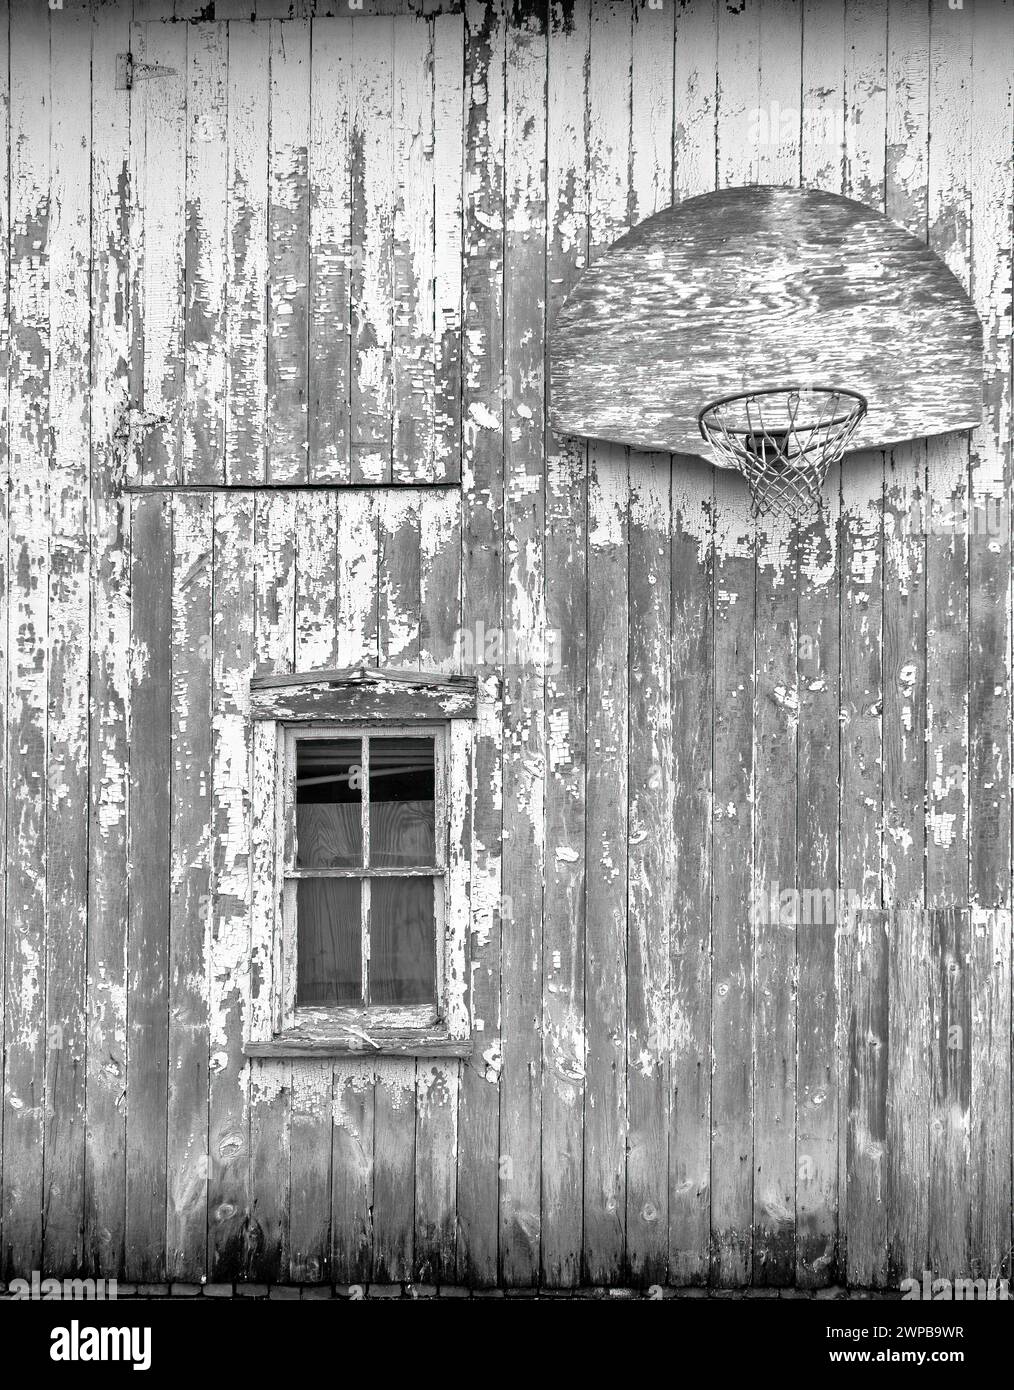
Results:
413 1043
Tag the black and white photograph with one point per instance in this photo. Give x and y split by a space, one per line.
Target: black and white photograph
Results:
505 673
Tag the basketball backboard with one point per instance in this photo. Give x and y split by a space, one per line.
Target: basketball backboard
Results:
757 288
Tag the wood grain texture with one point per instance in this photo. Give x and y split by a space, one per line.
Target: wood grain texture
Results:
734 589
563 1060
606 785
69 640
109 673
775 721
864 1163
190 888
693 556
688 1095
761 280
30 416
482 589
818 667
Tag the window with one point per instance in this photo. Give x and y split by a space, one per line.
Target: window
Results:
362 827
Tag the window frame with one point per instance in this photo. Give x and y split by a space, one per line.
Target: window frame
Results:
383 1016
364 703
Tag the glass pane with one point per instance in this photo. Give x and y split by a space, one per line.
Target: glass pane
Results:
402 941
401 803
329 941
329 832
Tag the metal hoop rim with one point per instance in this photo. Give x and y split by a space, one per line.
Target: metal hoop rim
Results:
783 391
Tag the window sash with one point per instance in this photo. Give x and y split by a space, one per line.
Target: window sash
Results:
349 1016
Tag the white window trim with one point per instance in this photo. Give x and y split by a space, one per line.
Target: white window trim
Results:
340 704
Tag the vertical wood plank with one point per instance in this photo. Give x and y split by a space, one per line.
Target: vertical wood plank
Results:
270 1090
818 1092
399 589
288 252
448 152
26 642
776 708
67 761
190 888
159 148
331 250
412 246
524 607
247 233
105 1171
437 1082
148 887
650 787
229 1229
372 249
989 812
695 91
649 879
865 975
563 1053
207 256
482 611
311 1138
605 1119
861 684
947 683
5 470
732 1098
352 1140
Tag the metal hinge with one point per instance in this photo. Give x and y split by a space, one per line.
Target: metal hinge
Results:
129 71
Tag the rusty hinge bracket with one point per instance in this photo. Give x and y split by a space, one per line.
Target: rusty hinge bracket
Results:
129 71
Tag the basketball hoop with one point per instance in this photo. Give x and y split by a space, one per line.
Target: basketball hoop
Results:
783 440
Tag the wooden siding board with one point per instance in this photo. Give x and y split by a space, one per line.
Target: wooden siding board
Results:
148 887
947 685
650 787
732 1090
28 561
649 880
448 270
482 586
190 889
68 640
399 620
311 1139
109 678
695 92
233 654
412 244
206 254
861 693
819 1091
989 812
606 783
5 438
270 1081
288 252
331 250
524 645
904 717
247 240
373 262
776 711
563 1052
438 1080
159 145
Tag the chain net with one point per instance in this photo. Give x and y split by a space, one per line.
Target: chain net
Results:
783 441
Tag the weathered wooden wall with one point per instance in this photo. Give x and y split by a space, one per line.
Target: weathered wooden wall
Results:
663 1086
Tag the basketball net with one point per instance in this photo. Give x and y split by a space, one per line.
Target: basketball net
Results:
783 441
